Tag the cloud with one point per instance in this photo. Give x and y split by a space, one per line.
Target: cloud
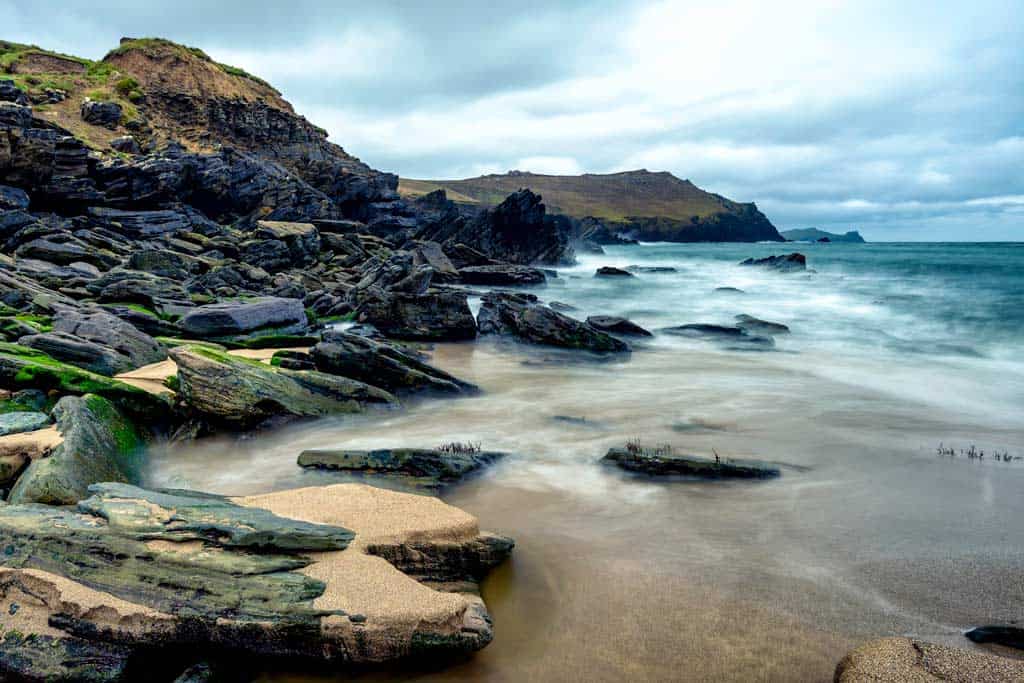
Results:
901 119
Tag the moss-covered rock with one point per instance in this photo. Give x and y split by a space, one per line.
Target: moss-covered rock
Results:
25 368
100 444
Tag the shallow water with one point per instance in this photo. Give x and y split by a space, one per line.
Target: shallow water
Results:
894 349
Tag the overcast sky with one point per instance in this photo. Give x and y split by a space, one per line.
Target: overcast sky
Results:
902 119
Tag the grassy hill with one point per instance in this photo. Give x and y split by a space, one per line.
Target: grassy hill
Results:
614 197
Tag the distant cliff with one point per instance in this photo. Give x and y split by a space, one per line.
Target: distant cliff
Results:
636 204
815 235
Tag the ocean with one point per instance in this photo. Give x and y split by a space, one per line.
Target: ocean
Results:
894 350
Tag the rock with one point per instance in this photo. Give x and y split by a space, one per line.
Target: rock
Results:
284 316
113 332
1009 636
652 269
64 253
435 466
161 262
502 275
18 422
611 271
904 659
729 290
11 93
312 592
13 198
301 241
617 325
433 316
662 461
126 144
106 114
242 393
290 359
100 444
25 368
79 352
430 254
784 264
731 336
561 306
754 325
34 657
522 316
382 365
139 224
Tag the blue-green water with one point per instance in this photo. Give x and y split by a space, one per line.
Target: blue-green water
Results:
894 349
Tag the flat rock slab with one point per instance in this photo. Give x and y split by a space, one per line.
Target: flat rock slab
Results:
914 661
436 466
502 275
735 337
244 316
18 422
655 461
616 325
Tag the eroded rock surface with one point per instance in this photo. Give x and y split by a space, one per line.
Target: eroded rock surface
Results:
524 317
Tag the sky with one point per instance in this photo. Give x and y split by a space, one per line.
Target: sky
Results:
902 120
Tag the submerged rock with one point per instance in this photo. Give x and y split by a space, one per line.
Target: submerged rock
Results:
1010 636
617 325
524 317
243 393
319 575
99 444
611 271
382 365
664 462
502 275
754 325
786 264
652 269
730 336
433 465
904 659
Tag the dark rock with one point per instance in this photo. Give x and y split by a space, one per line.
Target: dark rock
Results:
436 466
720 333
652 269
561 306
754 325
15 115
382 365
502 275
79 352
1008 636
431 254
729 290
784 264
113 332
522 316
434 315
126 144
291 359
664 462
463 256
106 114
13 198
66 252
611 271
161 262
138 224
242 394
301 243
34 657
227 318
100 444
617 325
11 93
137 287
18 422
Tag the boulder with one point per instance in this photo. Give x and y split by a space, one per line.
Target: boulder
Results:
100 444
1008 636
140 224
131 572
431 467
125 144
524 317
611 271
22 421
430 254
161 262
784 264
79 352
242 393
752 325
25 368
729 336
662 461
382 365
616 325
111 331
228 318
435 315
106 114
904 659
504 275
13 198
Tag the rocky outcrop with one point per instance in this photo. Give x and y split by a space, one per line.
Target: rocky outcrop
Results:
99 444
106 114
241 393
427 466
335 575
382 365
434 315
784 264
502 276
524 317
904 659
662 461
613 272
615 325
233 318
